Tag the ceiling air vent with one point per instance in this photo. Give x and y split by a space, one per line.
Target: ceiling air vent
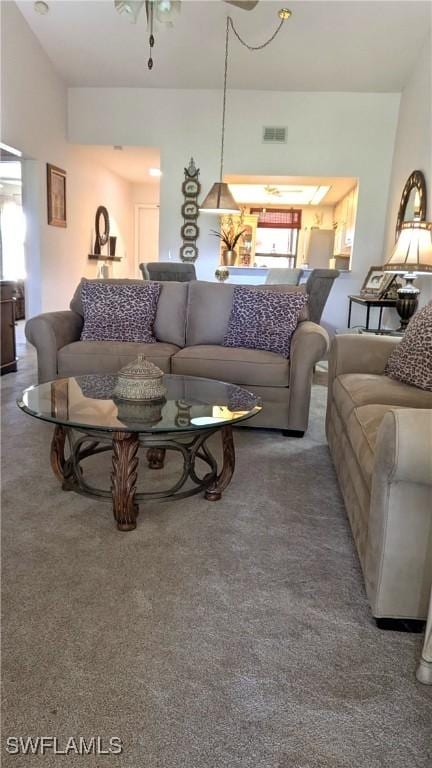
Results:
274 134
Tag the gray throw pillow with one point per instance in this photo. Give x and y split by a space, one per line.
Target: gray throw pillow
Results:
411 360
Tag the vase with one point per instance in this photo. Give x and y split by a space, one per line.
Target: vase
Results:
112 245
222 274
229 258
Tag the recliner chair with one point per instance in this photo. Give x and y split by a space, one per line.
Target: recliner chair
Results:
318 287
168 271
283 276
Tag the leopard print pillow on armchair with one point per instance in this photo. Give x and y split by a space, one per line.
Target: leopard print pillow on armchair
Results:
411 360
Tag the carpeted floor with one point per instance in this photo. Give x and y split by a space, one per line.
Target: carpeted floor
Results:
226 635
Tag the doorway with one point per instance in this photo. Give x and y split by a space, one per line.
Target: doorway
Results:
146 234
12 226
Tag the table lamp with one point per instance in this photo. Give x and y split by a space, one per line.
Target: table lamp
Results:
412 256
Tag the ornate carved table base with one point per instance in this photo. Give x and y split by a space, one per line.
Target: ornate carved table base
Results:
214 491
66 465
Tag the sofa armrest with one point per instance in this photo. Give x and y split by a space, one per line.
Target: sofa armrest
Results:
404 446
360 353
49 333
398 562
309 344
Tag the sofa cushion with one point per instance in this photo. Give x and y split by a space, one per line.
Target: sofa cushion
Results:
351 390
263 319
248 367
411 361
170 322
362 429
209 309
109 356
119 312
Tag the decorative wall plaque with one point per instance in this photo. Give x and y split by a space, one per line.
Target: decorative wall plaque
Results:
191 188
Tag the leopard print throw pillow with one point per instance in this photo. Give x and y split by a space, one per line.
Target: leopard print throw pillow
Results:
411 360
263 319
119 312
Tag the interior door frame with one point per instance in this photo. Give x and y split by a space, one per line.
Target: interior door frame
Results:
137 208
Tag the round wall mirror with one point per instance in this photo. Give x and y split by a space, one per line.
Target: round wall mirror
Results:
413 201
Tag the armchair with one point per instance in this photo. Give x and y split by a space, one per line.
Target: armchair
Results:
168 270
379 432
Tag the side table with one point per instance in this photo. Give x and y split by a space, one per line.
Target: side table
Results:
368 302
8 362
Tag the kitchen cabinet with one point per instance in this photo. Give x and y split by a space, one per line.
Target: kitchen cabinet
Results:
345 213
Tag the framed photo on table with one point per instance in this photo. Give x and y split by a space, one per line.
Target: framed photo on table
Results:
56 196
377 282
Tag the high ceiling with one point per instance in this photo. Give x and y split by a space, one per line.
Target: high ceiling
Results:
325 46
130 163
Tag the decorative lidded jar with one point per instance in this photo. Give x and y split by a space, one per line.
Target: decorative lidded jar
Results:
140 380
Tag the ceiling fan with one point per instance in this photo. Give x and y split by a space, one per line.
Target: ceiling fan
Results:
272 191
166 9
164 12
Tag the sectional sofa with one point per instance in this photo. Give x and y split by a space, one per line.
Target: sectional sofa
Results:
190 325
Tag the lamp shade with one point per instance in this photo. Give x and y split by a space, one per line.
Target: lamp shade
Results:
413 249
219 200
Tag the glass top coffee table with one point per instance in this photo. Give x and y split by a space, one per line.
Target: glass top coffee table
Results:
88 421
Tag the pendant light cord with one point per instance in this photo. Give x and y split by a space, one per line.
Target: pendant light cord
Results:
256 47
224 96
230 23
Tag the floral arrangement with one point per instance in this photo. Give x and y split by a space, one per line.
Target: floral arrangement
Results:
230 233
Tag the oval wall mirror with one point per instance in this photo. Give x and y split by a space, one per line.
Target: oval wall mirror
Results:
413 201
102 235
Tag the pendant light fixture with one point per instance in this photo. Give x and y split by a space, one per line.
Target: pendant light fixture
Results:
220 200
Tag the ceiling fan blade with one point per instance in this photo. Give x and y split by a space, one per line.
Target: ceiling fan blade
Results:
247 5
129 8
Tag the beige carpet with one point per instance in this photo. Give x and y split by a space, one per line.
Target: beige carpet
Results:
228 635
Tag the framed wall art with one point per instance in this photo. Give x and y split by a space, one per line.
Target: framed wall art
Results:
377 282
189 231
56 196
188 252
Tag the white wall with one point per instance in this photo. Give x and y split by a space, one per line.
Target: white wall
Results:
33 111
89 185
329 134
413 149
148 194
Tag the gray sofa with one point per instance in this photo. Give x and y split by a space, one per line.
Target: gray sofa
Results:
380 435
190 325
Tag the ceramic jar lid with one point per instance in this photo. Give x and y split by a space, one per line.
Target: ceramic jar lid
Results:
140 369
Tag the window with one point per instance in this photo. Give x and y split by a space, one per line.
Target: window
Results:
277 236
